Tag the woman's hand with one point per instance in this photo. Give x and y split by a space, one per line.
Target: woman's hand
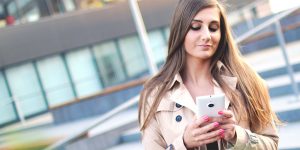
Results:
201 131
227 122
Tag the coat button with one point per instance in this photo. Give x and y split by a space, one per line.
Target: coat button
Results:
178 118
178 105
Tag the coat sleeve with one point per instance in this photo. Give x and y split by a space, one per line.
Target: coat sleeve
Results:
267 139
153 139
247 140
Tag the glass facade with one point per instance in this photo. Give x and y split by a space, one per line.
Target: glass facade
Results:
7 110
54 80
23 11
12 9
109 63
158 45
32 15
133 55
83 72
69 5
25 89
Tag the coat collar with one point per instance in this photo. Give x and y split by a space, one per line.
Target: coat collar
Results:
181 96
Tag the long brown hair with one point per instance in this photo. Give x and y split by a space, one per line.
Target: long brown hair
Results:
251 97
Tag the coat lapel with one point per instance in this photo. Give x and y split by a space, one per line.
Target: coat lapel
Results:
183 97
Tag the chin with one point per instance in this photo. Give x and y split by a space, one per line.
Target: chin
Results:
205 56
201 55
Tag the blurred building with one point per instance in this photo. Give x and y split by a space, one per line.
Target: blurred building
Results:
63 55
57 53
78 59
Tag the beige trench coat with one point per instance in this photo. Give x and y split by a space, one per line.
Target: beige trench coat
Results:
177 109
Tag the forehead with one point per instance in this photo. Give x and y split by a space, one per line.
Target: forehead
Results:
208 14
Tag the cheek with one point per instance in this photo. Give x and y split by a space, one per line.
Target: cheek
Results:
216 39
188 40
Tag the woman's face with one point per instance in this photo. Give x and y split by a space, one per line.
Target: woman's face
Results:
202 40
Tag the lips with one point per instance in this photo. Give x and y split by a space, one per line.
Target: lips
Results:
205 45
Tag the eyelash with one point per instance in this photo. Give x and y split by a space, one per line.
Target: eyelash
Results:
198 28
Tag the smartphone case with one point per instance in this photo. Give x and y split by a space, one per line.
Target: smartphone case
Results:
210 105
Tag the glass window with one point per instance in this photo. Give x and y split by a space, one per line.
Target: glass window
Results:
26 89
83 72
12 9
55 80
7 110
23 3
158 45
109 63
1 9
32 15
69 5
133 55
167 33
58 7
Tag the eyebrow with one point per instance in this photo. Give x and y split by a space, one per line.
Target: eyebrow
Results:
214 21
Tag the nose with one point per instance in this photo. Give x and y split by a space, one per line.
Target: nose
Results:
205 34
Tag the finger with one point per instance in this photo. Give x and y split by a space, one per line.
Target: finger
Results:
229 131
224 121
209 127
200 121
227 127
221 120
216 119
226 113
205 129
211 140
210 135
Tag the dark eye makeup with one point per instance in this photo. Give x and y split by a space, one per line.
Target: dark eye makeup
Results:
195 28
212 28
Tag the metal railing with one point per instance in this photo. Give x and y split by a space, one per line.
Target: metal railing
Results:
99 121
274 20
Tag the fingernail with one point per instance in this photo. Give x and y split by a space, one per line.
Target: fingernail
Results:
220 112
205 118
216 124
221 132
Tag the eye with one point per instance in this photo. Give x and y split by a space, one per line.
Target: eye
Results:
213 28
195 27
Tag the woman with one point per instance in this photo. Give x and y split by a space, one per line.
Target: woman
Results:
203 60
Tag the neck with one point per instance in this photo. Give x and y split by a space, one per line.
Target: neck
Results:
196 72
